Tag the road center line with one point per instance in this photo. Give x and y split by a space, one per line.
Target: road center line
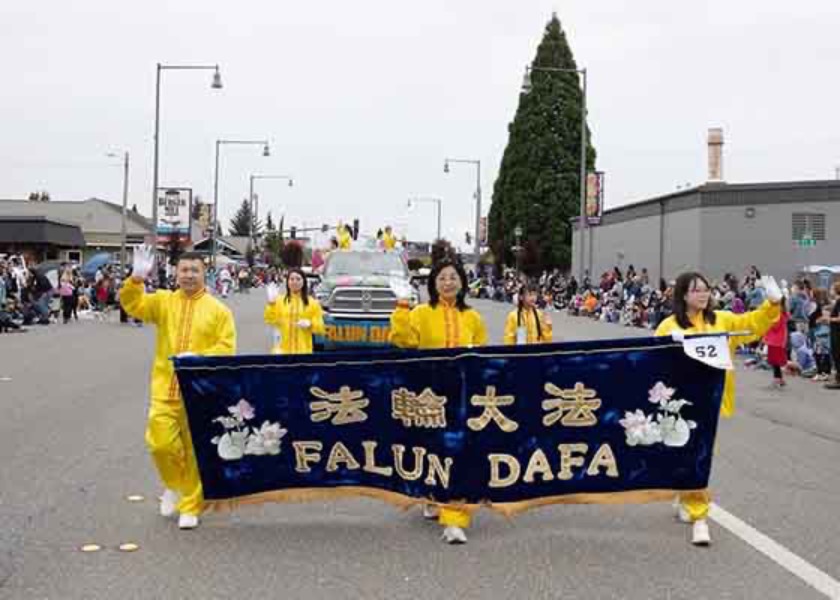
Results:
804 570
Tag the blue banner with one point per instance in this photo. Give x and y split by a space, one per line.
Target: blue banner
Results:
607 421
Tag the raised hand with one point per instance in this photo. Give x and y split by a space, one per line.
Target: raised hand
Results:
144 261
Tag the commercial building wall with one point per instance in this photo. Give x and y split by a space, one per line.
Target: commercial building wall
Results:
736 237
682 243
718 228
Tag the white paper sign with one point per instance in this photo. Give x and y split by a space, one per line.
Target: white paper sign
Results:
712 350
521 336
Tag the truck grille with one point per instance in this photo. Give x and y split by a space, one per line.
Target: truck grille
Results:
363 300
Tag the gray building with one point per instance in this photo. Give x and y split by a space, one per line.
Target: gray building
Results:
717 228
99 221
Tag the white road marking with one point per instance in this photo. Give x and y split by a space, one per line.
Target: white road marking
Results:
804 570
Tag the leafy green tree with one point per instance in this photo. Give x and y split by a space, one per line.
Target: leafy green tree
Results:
538 186
241 222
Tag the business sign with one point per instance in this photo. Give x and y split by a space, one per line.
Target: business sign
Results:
174 213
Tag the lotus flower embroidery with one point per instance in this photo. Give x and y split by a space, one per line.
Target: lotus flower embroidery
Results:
241 439
666 427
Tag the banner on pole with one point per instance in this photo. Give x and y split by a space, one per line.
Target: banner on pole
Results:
513 427
594 197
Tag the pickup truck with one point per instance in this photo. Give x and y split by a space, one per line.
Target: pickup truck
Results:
355 293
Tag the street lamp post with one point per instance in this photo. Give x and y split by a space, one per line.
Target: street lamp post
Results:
219 143
517 232
216 85
429 199
123 234
526 87
477 164
253 198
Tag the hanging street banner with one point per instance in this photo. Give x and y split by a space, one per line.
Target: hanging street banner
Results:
174 214
511 427
594 197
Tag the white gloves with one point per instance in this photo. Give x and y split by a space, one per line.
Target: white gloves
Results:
772 289
678 335
304 323
144 261
183 354
402 289
272 292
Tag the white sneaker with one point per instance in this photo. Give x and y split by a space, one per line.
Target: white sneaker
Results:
187 522
454 535
430 512
700 533
169 503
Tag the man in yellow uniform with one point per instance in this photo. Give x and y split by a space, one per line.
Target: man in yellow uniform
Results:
189 321
389 240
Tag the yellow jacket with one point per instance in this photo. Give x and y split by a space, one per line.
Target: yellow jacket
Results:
389 241
757 322
199 324
442 326
530 323
284 314
344 239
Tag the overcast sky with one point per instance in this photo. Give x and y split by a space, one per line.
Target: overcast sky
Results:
363 100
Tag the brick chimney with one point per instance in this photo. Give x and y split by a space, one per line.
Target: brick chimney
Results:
715 154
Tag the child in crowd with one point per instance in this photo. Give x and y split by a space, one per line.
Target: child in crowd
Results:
804 362
822 345
776 339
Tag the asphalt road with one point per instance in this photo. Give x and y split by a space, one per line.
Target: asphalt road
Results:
74 399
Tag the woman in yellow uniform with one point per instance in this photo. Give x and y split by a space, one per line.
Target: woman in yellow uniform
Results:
296 316
694 314
344 235
527 324
389 240
444 322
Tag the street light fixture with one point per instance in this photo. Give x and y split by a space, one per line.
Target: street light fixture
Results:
216 85
526 88
477 164
254 199
217 80
429 199
219 143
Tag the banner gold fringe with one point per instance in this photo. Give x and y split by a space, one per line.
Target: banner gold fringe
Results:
507 509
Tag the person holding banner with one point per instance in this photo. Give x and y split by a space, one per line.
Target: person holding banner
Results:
444 322
527 324
694 314
189 321
296 316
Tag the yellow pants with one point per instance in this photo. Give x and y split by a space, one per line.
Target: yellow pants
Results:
696 504
168 439
454 517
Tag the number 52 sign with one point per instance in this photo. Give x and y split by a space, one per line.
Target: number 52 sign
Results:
711 350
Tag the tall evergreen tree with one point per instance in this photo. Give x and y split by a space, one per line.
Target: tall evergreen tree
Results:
241 222
538 186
